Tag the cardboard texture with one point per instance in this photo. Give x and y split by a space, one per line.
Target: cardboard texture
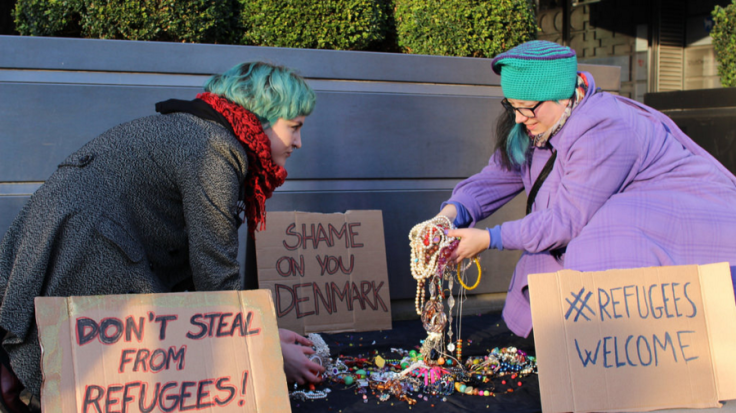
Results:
214 352
327 272
636 339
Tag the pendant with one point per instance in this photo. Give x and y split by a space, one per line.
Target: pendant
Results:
450 347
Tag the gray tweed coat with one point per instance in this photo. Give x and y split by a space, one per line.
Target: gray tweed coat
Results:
145 207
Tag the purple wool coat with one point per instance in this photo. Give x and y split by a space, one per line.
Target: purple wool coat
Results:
628 189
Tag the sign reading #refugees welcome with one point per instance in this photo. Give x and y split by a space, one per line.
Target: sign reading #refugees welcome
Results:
327 272
636 339
215 352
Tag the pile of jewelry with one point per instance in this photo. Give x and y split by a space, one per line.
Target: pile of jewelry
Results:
503 362
437 370
386 378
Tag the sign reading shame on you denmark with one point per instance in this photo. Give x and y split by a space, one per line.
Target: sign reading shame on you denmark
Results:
327 272
635 339
215 352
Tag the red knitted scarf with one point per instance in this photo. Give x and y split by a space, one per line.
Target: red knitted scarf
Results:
263 175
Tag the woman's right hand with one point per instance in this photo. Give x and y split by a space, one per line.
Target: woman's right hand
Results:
473 241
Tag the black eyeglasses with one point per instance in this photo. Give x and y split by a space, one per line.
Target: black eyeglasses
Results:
526 112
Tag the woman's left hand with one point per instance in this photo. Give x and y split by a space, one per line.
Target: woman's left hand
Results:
296 350
473 241
288 336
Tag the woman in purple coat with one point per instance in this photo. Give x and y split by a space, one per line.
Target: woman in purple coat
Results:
611 183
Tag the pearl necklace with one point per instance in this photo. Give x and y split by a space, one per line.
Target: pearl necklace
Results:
311 394
428 246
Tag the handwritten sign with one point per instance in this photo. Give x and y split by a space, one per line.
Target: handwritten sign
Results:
637 339
327 272
213 352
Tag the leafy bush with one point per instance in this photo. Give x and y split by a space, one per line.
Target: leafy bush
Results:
323 24
200 21
48 18
477 28
724 42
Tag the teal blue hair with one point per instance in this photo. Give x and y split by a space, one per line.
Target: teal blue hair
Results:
517 145
270 92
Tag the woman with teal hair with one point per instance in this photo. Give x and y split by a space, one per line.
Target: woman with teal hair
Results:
154 206
610 182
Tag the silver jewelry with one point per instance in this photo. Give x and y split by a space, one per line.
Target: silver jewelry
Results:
311 394
322 351
338 368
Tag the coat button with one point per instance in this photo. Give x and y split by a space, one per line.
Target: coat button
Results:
85 160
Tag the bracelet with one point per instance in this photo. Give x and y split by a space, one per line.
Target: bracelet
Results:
477 263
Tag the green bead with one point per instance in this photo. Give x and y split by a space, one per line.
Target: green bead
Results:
361 373
348 380
404 365
413 354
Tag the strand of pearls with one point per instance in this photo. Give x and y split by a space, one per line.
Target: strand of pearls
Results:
310 395
427 241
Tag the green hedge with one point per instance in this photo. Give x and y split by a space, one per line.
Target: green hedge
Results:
474 28
438 27
724 42
48 18
198 21
323 24
195 21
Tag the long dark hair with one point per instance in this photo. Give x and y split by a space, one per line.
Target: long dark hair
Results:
512 143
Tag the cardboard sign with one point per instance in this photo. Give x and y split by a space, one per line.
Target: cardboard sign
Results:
215 352
635 340
327 272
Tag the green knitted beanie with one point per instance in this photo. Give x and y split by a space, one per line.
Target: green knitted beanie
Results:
537 70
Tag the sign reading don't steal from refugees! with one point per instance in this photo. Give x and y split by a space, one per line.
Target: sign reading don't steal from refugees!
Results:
215 352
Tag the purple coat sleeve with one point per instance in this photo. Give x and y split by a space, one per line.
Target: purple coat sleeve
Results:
487 191
600 161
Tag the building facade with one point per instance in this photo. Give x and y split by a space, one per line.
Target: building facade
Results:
660 45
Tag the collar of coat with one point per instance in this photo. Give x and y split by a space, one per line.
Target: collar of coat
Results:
264 176
196 107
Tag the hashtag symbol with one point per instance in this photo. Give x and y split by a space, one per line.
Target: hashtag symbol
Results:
582 302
